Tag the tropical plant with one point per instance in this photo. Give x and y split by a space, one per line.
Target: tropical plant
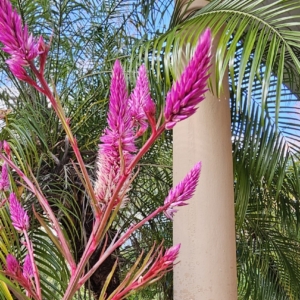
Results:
258 49
82 73
117 160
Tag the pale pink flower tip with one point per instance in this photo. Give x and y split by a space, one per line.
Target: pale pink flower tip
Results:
12 264
27 267
4 180
182 192
19 216
189 89
163 263
171 254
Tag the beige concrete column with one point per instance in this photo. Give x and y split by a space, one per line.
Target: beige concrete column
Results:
206 227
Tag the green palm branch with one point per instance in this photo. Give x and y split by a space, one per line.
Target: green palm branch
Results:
81 72
257 49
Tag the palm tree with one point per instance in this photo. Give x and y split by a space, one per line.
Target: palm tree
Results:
257 51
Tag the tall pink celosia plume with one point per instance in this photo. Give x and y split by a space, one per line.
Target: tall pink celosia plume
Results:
119 131
118 136
17 41
141 105
18 215
183 191
189 89
4 180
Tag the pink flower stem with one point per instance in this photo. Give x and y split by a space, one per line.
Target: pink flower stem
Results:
99 231
154 136
89 250
46 207
34 268
60 113
120 242
123 178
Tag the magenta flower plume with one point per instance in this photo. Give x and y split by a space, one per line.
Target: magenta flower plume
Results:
142 106
119 131
27 267
19 216
183 191
12 265
17 41
189 89
118 136
4 180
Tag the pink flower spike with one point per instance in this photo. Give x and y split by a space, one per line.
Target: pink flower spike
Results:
19 216
4 180
117 136
12 265
13 35
141 104
182 192
188 91
27 267
163 263
118 98
17 41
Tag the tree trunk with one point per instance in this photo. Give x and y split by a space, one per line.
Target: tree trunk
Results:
206 227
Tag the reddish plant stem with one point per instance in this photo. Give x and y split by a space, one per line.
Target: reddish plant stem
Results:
89 250
99 232
154 136
60 113
120 242
123 178
33 264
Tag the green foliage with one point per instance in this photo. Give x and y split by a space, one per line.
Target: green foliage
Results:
86 38
258 47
